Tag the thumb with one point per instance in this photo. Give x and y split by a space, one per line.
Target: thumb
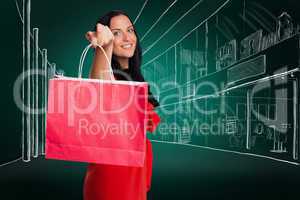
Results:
99 29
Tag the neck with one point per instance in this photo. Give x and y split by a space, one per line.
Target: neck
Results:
124 62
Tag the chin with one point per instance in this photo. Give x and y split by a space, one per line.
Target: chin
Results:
127 55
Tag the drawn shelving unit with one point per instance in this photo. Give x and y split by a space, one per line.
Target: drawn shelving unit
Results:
248 90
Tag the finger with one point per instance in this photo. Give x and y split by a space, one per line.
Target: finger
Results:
99 29
104 34
107 30
108 34
94 42
111 34
89 35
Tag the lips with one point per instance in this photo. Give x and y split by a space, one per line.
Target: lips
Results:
126 46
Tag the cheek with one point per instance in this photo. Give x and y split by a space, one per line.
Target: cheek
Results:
134 39
117 43
116 47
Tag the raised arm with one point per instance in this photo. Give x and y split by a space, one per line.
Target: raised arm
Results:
103 37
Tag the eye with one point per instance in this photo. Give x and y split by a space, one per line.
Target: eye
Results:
131 30
116 33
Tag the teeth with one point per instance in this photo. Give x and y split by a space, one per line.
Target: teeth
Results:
126 46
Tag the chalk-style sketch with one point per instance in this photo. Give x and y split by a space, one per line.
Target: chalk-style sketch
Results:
158 19
228 84
140 12
172 26
226 55
251 44
34 89
252 94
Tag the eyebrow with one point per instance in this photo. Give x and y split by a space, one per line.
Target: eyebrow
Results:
120 29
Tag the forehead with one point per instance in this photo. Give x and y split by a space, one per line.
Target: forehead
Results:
120 22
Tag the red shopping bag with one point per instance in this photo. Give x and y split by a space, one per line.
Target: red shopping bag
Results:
97 121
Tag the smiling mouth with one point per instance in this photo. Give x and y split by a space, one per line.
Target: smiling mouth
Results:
126 46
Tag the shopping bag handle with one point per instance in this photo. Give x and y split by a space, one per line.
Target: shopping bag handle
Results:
82 58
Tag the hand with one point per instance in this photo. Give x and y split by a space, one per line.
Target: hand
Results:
102 36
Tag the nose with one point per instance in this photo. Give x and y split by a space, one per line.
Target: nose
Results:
126 37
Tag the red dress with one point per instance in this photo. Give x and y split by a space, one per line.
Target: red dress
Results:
110 182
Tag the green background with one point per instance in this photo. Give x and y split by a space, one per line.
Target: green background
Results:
179 172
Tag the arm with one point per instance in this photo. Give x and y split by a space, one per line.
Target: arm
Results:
103 37
100 67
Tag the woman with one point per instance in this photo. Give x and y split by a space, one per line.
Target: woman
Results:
116 34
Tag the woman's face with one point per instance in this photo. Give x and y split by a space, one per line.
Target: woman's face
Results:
124 36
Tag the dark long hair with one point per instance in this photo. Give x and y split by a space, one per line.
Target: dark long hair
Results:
135 61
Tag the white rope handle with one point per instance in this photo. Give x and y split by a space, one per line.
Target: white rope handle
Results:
82 58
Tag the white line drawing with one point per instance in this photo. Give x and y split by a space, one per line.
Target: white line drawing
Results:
36 91
272 103
228 151
13 161
204 21
221 92
248 126
33 125
279 146
140 12
45 102
160 17
296 119
172 26
22 20
26 62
